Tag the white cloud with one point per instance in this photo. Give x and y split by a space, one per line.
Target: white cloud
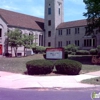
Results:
9 7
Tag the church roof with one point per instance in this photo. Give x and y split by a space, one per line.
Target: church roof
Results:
71 24
16 19
21 20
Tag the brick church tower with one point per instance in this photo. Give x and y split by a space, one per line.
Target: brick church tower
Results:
54 15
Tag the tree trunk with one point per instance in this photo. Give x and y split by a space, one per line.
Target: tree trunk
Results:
11 51
24 51
15 50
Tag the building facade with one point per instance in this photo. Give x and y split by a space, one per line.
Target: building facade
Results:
51 31
29 25
59 33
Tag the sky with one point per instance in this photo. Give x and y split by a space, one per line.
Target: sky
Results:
73 9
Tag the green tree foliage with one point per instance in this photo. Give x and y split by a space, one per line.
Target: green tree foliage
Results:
71 47
92 14
17 39
27 41
14 39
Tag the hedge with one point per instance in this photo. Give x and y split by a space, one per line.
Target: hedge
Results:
36 67
98 49
69 67
71 48
39 49
93 52
82 52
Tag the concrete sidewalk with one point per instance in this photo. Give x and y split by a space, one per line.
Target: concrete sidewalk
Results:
19 81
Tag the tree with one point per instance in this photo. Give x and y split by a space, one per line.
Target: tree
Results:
27 41
92 14
14 39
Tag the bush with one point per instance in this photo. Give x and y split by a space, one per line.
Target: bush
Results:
69 67
93 51
39 49
71 48
82 52
37 67
7 54
73 53
98 49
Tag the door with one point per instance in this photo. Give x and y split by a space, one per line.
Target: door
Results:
0 49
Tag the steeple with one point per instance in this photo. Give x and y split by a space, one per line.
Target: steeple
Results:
53 17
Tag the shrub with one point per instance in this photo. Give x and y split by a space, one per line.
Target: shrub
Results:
69 67
37 67
71 48
82 52
73 53
98 49
93 51
39 49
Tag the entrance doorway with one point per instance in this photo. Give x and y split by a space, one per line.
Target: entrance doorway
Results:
0 49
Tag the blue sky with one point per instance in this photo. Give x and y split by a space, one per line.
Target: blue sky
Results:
73 9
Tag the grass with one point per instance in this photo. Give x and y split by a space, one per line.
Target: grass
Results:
94 81
18 65
87 65
89 68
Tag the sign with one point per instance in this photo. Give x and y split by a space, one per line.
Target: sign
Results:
95 95
95 60
54 53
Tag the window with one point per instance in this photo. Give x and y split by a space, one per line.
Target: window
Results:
49 22
59 43
0 32
68 42
77 30
49 33
77 42
49 44
86 30
67 31
88 43
59 32
39 40
59 11
49 11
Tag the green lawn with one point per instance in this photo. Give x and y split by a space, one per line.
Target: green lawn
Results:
94 81
18 65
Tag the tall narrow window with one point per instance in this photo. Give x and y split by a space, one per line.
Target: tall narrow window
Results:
59 43
68 31
77 30
49 33
49 44
0 32
49 23
77 42
59 11
49 11
59 32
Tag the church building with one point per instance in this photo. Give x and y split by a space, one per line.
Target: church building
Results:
51 31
